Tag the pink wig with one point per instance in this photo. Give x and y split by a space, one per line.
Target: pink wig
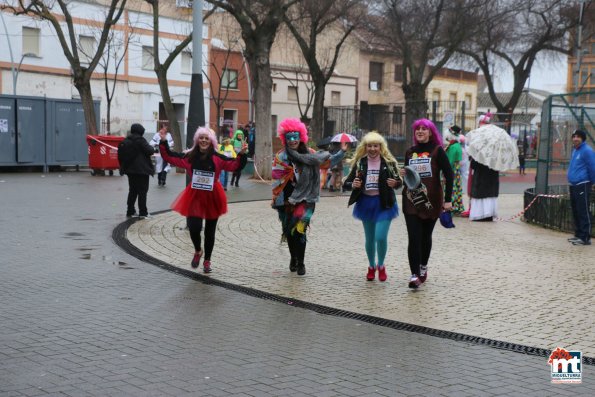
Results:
292 125
434 137
204 131
485 119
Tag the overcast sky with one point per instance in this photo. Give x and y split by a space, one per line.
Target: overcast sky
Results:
547 74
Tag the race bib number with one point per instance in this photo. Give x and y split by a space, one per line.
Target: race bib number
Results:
423 166
203 180
372 180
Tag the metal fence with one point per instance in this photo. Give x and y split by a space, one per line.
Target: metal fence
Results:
560 116
553 212
390 120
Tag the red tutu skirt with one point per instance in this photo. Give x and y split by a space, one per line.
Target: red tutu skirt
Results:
201 203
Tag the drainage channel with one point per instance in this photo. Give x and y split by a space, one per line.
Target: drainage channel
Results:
119 237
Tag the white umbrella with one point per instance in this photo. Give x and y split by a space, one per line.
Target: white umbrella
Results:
343 137
493 147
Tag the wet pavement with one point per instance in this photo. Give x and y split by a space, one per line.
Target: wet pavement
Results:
82 317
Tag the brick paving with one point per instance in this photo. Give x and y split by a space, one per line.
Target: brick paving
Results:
80 317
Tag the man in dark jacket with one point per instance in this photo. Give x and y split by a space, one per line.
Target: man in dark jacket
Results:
138 170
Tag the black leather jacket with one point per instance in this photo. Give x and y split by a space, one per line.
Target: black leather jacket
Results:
387 195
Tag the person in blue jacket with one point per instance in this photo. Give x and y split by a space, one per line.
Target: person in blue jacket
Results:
581 177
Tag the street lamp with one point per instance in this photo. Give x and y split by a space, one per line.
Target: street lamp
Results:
16 75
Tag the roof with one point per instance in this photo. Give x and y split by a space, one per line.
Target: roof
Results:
525 101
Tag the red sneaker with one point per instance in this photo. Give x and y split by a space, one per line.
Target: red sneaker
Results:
196 260
465 214
382 273
371 274
206 265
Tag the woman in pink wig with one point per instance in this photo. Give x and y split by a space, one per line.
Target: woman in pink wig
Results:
296 186
203 198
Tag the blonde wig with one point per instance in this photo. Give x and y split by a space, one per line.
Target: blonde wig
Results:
374 137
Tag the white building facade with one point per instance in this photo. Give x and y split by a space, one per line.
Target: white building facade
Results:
33 57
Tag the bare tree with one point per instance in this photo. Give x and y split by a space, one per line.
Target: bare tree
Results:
259 21
308 21
161 72
226 46
512 38
82 69
295 78
115 52
424 34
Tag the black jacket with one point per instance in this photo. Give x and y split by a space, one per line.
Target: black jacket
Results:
387 195
142 163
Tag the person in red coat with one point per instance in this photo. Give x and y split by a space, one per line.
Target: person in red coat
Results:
204 197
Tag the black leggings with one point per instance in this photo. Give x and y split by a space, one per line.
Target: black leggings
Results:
420 241
195 227
297 246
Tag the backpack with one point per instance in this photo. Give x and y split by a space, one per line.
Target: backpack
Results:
127 152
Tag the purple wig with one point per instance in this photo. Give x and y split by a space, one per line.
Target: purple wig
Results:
434 137
292 125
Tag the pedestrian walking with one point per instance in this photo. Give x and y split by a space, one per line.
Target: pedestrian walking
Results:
226 148
373 178
454 152
238 142
581 178
134 155
161 167
428 159
203 199
296 187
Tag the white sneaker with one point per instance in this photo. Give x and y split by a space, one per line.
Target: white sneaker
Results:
414 281
423 273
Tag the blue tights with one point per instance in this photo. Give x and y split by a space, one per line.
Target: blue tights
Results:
376 240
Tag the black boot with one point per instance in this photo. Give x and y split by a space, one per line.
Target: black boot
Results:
301 268
293 265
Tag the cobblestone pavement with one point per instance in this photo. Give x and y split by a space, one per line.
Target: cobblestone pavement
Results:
80 317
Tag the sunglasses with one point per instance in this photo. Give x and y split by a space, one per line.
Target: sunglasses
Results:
292 136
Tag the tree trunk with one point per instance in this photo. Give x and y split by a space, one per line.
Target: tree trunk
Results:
108 125
416 107
83 86
317 122
170 113
261 74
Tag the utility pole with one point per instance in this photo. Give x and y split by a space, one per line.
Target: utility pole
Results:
196 106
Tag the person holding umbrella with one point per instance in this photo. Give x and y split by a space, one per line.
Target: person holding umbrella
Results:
427 159
373 178
491 150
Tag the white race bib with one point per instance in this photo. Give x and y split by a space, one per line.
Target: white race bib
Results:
203 180
423 166
372 180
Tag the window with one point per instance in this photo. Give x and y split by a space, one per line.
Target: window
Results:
86 48
292 93
147 58
376 72
31 41
397 114
436 98
274 87
398 72
186 62
468 99
229 79
452 101
335 98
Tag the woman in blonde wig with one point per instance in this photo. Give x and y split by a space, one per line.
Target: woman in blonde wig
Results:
373 179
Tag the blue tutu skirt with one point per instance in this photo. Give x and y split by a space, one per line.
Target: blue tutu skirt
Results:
368 208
